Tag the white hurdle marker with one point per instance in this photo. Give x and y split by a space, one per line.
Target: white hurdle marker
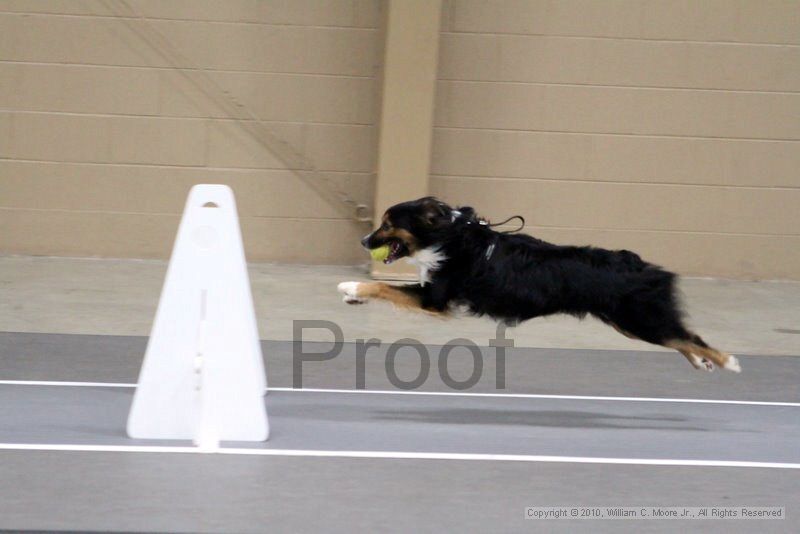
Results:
203 376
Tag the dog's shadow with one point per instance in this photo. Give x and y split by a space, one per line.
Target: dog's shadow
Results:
539 418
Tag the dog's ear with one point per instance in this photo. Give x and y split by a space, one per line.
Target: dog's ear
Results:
434 211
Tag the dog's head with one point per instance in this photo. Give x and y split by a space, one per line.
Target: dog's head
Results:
409 227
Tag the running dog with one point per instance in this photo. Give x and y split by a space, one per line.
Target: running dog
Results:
513 277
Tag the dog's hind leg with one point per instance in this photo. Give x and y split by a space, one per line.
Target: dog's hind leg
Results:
674 335
698 349
696 361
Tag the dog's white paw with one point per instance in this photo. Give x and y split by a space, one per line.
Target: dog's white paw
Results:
732 364
701 364
349 291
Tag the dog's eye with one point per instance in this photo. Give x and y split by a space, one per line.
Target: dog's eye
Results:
385 226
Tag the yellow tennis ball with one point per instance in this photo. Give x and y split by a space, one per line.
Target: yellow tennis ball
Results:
380 253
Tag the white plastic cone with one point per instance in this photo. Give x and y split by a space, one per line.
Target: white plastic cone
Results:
203 376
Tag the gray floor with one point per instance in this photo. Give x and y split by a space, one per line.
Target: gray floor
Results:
85 320
438 424
214 493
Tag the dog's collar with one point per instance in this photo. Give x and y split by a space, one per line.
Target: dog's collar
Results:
455 214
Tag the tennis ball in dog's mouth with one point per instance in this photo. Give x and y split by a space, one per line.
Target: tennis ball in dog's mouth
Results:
380 253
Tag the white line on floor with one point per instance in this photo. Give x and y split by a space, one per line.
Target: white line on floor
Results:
66 384
438 393
538 396
396 455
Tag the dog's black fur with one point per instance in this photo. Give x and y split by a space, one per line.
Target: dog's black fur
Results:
515 277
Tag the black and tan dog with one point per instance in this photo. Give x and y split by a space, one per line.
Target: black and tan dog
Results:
514 277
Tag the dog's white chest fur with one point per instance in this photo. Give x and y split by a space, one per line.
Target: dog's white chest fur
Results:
427 260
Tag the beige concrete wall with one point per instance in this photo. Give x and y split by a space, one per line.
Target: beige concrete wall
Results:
100 138
671 127
668 127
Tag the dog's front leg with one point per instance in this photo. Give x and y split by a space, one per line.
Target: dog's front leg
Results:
406 296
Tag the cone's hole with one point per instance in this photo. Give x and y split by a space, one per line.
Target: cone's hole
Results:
210 205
